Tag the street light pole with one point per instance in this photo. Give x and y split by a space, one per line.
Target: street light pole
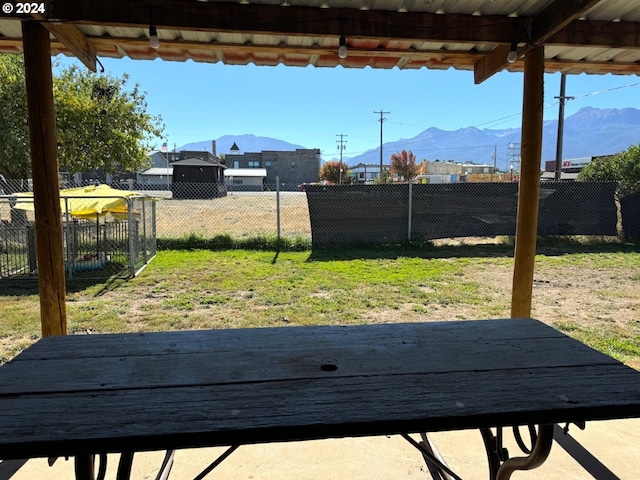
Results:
511 168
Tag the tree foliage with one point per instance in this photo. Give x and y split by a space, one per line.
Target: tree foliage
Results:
624 167
404 165
330 172
14 133
101 124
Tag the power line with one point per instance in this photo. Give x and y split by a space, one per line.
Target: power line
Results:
607 90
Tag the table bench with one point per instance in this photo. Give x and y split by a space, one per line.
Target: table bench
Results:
83 395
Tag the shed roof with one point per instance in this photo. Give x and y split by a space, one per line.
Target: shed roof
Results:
593 36
196 162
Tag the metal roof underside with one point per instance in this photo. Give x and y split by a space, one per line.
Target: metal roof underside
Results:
587 36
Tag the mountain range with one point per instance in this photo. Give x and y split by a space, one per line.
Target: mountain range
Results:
588 132
246 143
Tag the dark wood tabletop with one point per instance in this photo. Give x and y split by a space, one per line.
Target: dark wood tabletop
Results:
84 394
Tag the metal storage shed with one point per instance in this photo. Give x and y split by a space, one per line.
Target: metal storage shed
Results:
197 178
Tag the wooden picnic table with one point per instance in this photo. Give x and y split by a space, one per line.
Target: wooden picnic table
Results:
82 395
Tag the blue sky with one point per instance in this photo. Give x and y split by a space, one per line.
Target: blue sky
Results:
311 106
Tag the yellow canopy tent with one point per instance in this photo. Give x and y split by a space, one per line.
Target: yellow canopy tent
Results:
89 202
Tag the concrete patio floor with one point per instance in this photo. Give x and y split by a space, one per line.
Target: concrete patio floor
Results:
615 443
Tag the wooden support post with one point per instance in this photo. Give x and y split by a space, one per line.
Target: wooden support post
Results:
529 188
46 185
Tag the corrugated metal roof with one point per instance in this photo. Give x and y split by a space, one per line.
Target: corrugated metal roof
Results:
406 34
197 162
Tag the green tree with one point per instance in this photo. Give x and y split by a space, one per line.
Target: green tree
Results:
404 165
623 167
330 172
101 124
14 133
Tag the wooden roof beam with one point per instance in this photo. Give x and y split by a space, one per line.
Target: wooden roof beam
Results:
291 20
72 38
542 26
598 33
310 21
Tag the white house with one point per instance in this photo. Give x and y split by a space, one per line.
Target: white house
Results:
365 173
245 176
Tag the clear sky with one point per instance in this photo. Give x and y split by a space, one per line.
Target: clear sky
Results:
311 106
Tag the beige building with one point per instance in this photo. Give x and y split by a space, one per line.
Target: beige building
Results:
453 168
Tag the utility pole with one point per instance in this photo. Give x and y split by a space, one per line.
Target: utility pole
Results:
382 119
495 156
341 146
513 157
562 99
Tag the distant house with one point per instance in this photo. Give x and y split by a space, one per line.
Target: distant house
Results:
198 178
291 167
160 176
245 178
365 173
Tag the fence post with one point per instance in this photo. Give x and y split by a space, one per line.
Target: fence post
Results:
144 233
132 248
70 244
154 233
410 208
278 206
32 254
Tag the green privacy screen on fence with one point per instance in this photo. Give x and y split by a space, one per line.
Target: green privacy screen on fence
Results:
397 213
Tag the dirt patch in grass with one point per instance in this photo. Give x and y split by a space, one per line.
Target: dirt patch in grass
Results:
239 214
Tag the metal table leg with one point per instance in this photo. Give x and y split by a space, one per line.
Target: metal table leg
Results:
501 466
124 466
84 466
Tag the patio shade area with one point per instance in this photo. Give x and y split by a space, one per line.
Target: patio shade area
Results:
485 36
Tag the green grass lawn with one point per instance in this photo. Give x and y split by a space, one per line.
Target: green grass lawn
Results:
589 295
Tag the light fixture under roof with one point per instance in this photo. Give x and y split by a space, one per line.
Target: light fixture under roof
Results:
513 53
342 48
154 42
342 45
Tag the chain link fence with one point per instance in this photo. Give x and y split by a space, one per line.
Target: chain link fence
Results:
109 243
245 212
322 215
